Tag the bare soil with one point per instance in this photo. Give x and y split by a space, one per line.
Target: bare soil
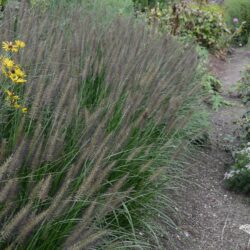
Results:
212 214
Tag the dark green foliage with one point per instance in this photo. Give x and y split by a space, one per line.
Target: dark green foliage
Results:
238 178
240 182
3 3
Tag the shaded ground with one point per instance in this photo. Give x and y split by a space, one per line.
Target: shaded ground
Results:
213 215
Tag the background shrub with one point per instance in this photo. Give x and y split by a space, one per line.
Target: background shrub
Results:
204 24
111 109
239 9
238 177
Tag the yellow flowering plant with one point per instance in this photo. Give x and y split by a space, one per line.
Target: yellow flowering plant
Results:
12 72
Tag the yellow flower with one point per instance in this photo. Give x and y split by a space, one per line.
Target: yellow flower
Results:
15 73
11 97
16 79
9 93
17 106
20 44
24 110
9 46
8 62
19 72
15 97
19 80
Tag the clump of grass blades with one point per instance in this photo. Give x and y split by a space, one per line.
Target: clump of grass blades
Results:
110 112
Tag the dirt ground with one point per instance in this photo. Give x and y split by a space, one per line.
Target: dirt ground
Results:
212 214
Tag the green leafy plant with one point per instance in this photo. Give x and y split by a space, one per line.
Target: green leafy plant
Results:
206 25
238 177
212 86
191 21
244 123
218 101
243 86
210 83
237 12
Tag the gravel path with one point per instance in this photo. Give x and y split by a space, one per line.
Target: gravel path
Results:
213 215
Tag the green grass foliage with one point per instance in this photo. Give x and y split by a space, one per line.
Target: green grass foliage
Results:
113 111
105 10
150 3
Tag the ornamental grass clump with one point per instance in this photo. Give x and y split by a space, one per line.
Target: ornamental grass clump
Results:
112 112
